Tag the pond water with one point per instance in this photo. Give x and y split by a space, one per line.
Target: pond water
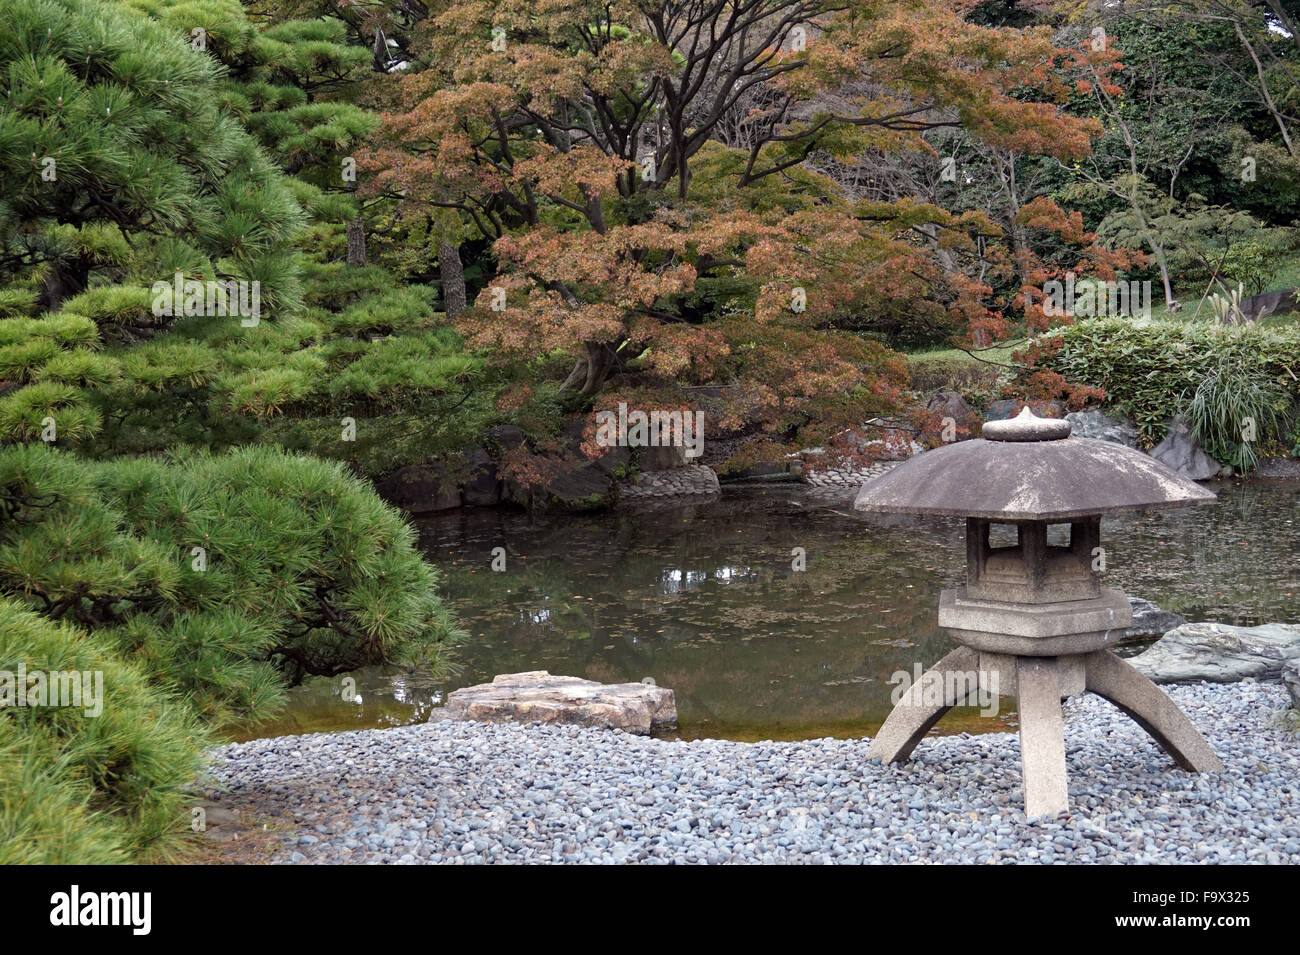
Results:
702 598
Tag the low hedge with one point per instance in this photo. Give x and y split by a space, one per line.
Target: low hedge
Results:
1214 376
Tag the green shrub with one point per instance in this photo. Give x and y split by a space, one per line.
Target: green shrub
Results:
17 331
80 367
428 427
335 285
20 362
115 305
70 330
262 392
1250 265
304 570
25 414
430 362
166 363
65 328
391 312
1154 371
90 789
16 302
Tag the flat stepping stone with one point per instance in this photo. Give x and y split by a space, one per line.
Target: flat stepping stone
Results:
537 696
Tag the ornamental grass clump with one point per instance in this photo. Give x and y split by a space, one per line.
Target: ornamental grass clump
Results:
1236 403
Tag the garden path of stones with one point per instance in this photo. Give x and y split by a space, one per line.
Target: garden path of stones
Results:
473 793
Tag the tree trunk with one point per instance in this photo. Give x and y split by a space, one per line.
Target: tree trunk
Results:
64 280
356 243
453 279
577 377
1157 247
590 373
1264 91
942 255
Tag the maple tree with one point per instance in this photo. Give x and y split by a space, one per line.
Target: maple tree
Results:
642 172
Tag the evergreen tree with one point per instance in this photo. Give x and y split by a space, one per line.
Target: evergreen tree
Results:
113 136
225 577
102 782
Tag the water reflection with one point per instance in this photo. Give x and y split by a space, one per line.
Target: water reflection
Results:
704 599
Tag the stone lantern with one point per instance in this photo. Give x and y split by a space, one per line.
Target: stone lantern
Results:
1033 620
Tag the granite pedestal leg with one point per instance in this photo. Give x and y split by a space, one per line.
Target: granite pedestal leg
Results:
1042 736
1038 686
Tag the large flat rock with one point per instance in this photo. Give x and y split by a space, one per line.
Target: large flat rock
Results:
1220 653
537 696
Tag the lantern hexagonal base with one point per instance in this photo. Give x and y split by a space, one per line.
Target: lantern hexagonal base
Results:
1036 630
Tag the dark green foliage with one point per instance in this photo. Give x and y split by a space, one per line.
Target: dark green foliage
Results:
397 367
190 139
17 302
114 304
26 414
335 286
429 427
404 309
212 382
126 113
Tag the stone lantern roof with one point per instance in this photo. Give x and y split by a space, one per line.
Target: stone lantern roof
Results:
1028 469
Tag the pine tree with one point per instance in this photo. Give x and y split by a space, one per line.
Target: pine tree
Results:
102 782
226 577
112 134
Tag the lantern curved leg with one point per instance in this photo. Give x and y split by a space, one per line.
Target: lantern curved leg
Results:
912 718
1117 681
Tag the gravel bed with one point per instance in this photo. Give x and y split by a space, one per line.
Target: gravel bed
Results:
474 793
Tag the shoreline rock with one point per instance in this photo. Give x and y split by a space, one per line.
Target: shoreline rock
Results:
1283 469
1220 653
1150 620
537 696
1103 427
1291 680
670 482
1180 452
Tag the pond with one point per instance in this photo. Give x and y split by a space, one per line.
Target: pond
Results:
703 597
